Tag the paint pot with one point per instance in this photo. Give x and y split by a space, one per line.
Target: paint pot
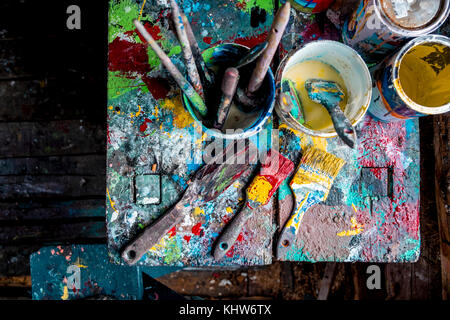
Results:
350 67
311 6
240 124
414 82
378 27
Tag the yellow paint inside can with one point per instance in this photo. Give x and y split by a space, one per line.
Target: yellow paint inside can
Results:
425 74
259 190
316 116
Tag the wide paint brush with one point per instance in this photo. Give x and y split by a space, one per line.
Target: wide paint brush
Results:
206 76
186 87
311 184
330 94
191 67
275 169
229 84
208 183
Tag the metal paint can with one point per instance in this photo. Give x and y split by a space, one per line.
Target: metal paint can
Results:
350 66
311 6
218 59
394 100
378 27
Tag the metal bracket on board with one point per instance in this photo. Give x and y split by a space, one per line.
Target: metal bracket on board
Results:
375 184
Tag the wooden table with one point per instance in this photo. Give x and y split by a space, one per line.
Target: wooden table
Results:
371 215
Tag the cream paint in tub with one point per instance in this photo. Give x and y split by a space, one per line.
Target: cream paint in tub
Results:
348 65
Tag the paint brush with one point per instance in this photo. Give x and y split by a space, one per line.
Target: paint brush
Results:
276 32
229 84
275 169
252 55
206 77
330 94
311 184
191 67
291 100
208 183
186 87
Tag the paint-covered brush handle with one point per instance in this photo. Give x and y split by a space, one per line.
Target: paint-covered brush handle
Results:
276 32
343 126
231 232
186 87
290 230
153 234
191 67
229 85
206 77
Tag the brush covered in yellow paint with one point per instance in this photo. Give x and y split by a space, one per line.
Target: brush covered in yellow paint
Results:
311 184
274 170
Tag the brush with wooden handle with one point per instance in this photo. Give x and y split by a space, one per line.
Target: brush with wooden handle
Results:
185 86
311 184
208 183
274 171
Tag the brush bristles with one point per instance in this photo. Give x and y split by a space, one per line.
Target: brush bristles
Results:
318 166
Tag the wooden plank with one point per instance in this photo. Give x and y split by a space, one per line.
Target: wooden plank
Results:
89 165
398 281
207 283
16 259
30 139
16 281
61 98
53 232
265 281
442 185
23 187
327 281
35 210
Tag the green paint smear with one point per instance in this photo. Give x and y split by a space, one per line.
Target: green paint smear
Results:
297 254
284 190
118 84
121 15
172 251
267 5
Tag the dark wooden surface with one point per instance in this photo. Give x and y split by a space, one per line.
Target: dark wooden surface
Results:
52 170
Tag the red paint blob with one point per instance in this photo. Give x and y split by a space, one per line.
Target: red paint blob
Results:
143 126
197 229
251 41
187 238
207 40
159 87
126 57
172 232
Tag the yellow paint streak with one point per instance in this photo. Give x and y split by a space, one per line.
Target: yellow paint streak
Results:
111 202
65 295
142 9
229 210
181 117
160 245
356 229
259 190
198 211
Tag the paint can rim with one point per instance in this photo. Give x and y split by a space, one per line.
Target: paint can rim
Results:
434 38
437 21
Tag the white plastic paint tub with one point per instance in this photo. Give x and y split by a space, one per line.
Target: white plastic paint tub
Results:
351 68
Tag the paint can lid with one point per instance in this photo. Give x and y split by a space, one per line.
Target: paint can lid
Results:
411 14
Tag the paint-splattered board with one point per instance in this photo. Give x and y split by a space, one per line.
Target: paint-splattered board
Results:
151 136
84 271
370 215
372 212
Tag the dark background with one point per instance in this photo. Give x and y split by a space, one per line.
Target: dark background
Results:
52 170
